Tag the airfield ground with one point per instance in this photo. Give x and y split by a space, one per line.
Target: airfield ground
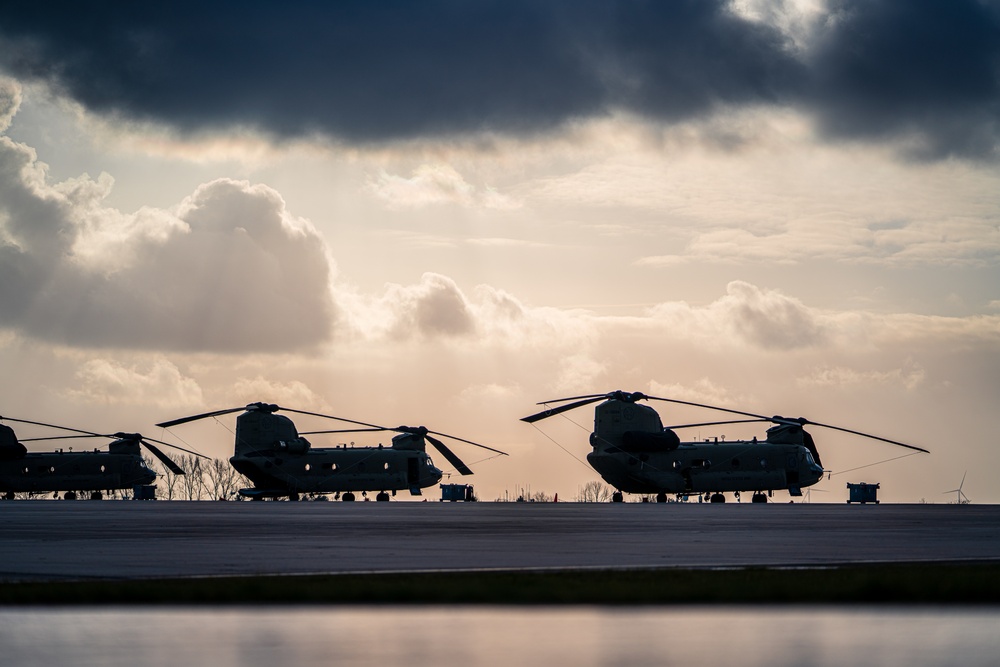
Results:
46 543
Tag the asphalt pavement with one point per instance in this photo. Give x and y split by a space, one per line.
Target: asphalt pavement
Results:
57 540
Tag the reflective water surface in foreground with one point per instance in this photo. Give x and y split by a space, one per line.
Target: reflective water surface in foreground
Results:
431 636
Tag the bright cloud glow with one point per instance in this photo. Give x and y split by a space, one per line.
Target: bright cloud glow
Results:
436 184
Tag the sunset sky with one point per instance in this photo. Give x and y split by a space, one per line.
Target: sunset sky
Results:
442 213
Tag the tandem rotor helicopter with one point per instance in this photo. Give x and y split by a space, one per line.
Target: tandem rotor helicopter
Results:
279 462
120 467
634 453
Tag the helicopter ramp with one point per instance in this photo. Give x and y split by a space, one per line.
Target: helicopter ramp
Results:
59 540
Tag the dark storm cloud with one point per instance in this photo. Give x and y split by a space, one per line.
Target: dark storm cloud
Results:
923 69
370 71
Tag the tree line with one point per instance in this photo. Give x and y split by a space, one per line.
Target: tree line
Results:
214 479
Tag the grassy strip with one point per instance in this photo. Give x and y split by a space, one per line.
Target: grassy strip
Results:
897 584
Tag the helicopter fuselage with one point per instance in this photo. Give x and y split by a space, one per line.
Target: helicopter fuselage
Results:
635 454
708 468
38 472
278 461
339 470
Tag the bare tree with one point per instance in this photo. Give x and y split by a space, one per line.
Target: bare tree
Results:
223 480
594 492
192 484
171 484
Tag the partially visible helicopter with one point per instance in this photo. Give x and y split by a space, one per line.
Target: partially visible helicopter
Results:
634 453
120 467
274 456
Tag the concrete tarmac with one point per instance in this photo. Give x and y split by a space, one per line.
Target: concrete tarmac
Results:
59 540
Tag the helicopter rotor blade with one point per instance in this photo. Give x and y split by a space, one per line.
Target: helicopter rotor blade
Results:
719 423
552 412
256 407
61 437
452 458
146 442
204 415
630 397
112 436
468 442
801 421
805 422
346 430
64 428
340 419
573 398
412 430
268 407
636 396
164 459
713 407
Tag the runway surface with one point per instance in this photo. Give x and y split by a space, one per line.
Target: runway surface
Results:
55 540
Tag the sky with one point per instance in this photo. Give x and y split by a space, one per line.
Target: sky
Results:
443 213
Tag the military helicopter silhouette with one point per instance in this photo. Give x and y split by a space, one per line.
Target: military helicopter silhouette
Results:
279 462
120 467
634 453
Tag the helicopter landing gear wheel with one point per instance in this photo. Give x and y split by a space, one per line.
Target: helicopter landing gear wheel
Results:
348 497
96 495
69 495
661 497
759 498
617 497
382 497
9 495
293 497
717 498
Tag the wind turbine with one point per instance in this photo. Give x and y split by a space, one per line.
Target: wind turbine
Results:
961 494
